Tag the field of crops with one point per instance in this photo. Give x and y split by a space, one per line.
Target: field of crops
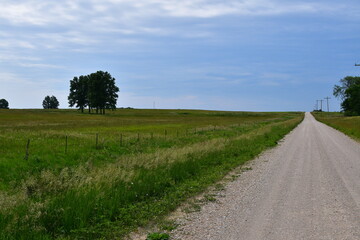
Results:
348 125
66 175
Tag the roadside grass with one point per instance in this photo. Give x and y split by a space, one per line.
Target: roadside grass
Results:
108 191
348 125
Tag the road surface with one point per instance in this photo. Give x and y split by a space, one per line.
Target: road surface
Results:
308 187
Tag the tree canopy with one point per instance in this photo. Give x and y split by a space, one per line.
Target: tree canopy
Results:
96 91
349 93
4 104
50 102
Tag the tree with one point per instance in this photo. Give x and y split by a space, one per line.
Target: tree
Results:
349 93
4 104
102 91
96 90
79 92
50 102
351 103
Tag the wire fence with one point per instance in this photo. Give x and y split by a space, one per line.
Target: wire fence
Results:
97 141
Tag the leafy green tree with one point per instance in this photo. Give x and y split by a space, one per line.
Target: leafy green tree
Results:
349 93
46 102
4 104
111 92
96 91
351 103
50 102
54 103
79 92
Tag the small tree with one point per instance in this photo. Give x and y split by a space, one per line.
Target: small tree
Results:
54 103
50 102
4 104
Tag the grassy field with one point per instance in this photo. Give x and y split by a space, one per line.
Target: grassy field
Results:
348 125
93 176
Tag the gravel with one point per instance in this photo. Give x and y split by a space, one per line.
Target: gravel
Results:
308 187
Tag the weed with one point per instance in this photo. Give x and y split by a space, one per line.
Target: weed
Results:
210 198
244 169
219 187
192 207
168 225
158 236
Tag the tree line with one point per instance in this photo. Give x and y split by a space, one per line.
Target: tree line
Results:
97 91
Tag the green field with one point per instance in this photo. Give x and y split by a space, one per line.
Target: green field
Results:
101 176
348 125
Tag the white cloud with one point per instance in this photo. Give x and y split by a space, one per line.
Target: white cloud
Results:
84 23
40 65
23 61
129 12
12 43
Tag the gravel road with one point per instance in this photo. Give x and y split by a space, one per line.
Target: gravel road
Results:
308 187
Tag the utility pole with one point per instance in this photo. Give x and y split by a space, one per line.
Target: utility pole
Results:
321 104
327 101
317 105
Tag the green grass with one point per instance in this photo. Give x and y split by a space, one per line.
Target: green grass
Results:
348 125
108 190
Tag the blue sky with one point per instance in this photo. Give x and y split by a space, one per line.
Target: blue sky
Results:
247 55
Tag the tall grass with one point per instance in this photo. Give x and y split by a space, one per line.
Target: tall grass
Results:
347 125
112 190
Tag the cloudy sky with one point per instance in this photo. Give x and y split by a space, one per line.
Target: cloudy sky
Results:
257 55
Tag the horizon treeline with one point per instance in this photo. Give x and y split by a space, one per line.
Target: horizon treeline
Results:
97 91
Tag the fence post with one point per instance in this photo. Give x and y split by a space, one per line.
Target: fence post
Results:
138 137
165 133
121 139
97 140
27 150
177 133
152 135
66 144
